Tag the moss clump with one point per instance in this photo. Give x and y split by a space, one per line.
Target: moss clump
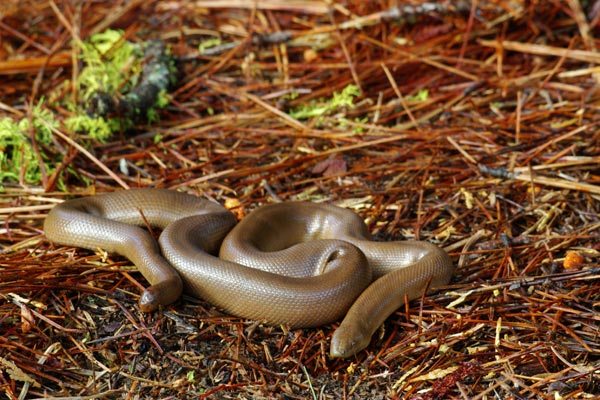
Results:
19 162
345 98
112 64
120 81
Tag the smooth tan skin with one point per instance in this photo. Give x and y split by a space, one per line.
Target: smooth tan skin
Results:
299 264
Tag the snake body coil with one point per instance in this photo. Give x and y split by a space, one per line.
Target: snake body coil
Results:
300 264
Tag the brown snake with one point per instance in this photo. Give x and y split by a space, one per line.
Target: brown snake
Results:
299 264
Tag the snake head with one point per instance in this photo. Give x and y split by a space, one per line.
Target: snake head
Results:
149 301
161 294
348 340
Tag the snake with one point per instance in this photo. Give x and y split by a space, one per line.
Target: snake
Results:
297 264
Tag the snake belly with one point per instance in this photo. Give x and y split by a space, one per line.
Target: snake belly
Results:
300 264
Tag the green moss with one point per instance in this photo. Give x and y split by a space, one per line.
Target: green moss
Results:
422 95
322 107
344 123
112 64
163 99
100 129
18 158
208 43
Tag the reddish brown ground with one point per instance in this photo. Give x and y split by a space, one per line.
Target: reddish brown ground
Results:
498 163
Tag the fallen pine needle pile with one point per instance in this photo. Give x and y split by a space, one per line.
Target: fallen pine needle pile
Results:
472 125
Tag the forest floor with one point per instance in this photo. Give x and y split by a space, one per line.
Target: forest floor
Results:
472 126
